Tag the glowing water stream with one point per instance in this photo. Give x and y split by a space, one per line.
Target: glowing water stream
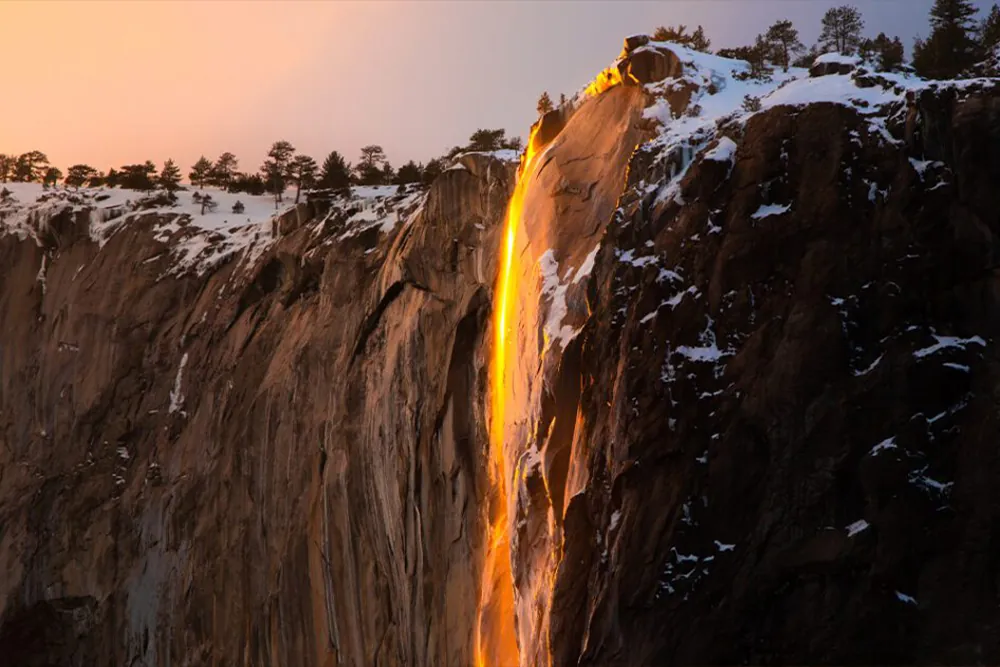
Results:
513 618
496 643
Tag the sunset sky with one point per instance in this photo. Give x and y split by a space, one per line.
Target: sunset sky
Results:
109 83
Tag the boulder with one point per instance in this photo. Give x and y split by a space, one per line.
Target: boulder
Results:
632 43
833 63
651 64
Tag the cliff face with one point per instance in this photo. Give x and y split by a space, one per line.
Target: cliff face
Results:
749 406
270 463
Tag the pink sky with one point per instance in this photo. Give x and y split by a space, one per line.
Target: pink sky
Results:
109 83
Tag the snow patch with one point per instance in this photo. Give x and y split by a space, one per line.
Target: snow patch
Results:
857 527
768 210
176 396
945 342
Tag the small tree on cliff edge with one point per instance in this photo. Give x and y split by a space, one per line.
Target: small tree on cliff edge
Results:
544 104
842 28
784 40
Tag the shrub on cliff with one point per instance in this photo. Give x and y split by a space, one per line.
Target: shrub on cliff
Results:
696 40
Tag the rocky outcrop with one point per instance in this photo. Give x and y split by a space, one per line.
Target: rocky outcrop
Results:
833 63
751 413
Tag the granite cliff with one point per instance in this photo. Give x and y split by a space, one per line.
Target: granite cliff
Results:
738 405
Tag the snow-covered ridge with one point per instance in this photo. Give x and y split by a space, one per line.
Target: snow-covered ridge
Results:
197 238
723 97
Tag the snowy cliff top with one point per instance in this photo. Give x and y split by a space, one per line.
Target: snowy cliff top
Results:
725 95
196 238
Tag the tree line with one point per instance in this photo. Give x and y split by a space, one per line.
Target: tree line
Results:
283 168
956 43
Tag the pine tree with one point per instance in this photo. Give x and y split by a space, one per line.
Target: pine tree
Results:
696 40
170 177
303 171
952 46
411 172
276 169
222 171
30 167
200 171
544 104
370 165
138 176
7 163
888 53
432 170
562 99
989 31
488 140
842 28
388 174
784 40
336 172
79 174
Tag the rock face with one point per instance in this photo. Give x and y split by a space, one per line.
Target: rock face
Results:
235 468
752 413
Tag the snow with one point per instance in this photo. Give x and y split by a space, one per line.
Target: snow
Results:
724 547
857 527
176 397
888 443
767 210
195 241
837 58
724 151
945 342
587 266
870 368
903 597
836 89
555 330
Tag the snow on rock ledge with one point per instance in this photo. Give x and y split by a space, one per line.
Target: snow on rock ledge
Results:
197 240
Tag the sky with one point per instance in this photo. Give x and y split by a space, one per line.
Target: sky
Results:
112 82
